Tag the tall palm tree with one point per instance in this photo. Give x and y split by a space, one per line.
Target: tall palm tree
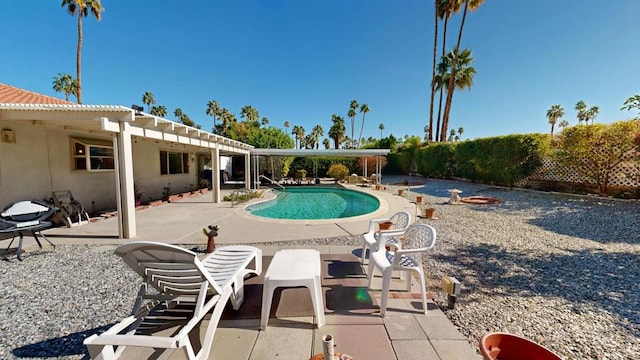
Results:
326 143
468 5
337 130
364 109
381 127
353 108
463 77
438 14
265 121
82 8
249 113
316 133
213 110
581 108
148 99
460 131
159 110
563 124
286 127
555 113
592 113
178 113
447 9
66 84
298 133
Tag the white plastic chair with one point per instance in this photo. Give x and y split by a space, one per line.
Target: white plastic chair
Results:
178 278
400 220
416 241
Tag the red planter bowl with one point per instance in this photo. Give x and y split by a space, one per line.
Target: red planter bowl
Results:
503 346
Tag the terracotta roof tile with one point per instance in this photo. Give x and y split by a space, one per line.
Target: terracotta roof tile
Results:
13 95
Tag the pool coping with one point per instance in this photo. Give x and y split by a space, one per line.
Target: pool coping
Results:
382 209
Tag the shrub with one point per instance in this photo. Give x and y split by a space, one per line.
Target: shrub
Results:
436 160
338 171
596 150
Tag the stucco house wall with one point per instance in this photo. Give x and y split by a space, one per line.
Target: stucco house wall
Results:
39 162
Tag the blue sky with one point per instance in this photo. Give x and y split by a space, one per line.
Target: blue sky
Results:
301 60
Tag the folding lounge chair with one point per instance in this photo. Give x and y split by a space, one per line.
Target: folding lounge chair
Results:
178 278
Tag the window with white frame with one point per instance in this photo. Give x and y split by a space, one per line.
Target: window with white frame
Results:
92 154
174 162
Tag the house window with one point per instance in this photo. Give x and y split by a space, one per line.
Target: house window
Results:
92 155
174 162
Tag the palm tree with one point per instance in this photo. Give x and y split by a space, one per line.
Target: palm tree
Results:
452 135
381 127
364 109
555 113
353 108
178 113
213 110
185 119
66 84
249 113
326 143
286 126
460 131
82 8
265 121
592 113
298 133
472 5
631 103
159 110
463 77
439 12
148 99
581 108
563 124
447 9
316 133
337 130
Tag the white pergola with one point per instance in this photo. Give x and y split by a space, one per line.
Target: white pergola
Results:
324 153
123 124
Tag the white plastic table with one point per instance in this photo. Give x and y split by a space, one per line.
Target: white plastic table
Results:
290 268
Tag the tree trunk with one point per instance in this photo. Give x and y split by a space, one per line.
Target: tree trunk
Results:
78 56
361 128
444 45
433 71
450 87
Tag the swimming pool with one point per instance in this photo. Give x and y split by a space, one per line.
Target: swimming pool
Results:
304 203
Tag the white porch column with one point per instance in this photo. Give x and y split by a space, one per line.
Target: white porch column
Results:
247 171
215 175
126 198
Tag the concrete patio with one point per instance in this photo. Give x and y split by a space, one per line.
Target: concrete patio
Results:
351 310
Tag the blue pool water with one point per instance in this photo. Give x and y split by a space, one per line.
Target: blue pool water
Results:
315 203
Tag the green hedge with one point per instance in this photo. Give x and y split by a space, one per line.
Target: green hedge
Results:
436 160
503 160
397 163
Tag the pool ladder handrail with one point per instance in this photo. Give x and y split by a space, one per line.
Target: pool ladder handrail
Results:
272 182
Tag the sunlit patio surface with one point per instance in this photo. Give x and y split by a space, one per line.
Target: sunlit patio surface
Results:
351 309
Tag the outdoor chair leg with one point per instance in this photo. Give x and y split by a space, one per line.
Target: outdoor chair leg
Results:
6 251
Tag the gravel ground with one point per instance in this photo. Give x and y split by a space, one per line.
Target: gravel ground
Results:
561 270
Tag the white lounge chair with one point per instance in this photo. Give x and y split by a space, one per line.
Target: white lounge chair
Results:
417 240
399 223
178 278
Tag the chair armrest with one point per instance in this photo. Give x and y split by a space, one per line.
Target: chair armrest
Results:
374 222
